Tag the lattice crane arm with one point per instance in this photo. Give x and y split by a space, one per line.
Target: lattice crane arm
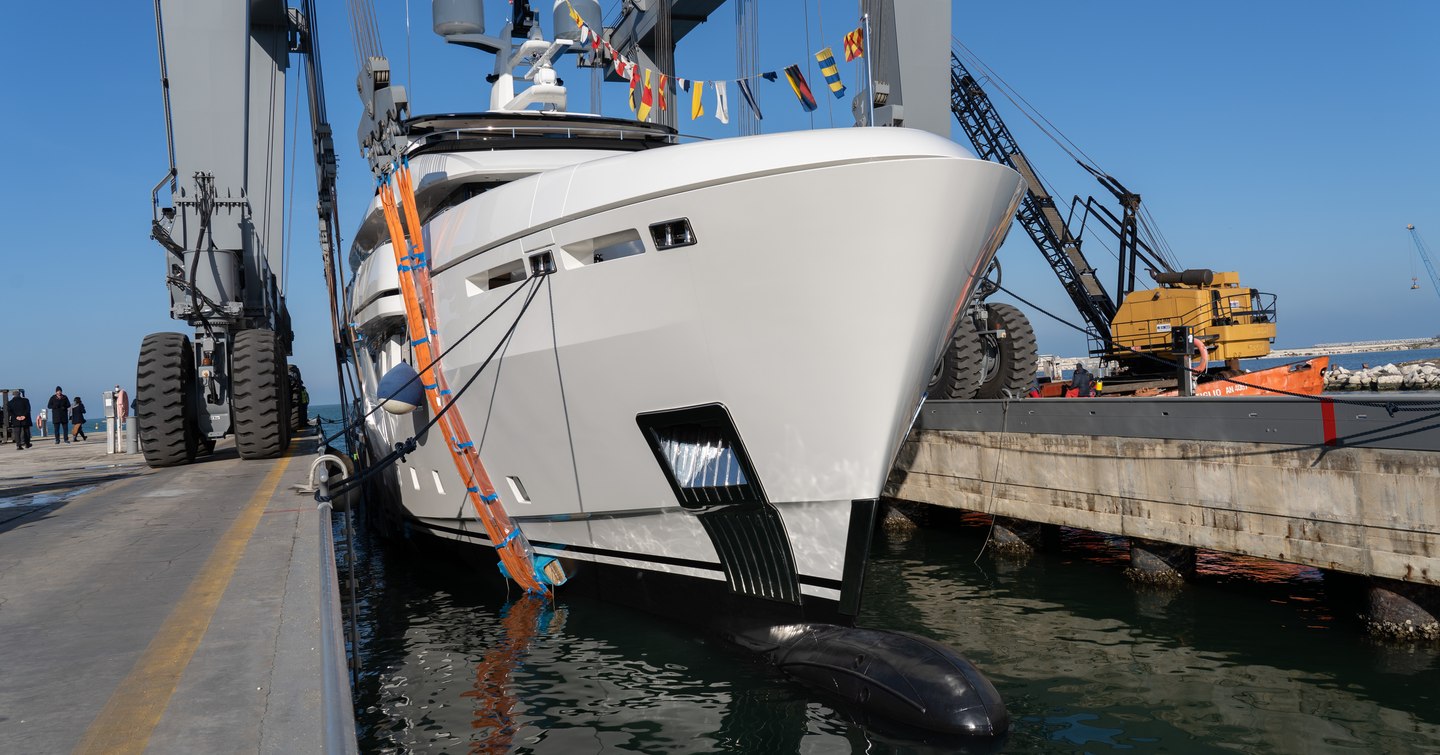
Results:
1037 214
1425 257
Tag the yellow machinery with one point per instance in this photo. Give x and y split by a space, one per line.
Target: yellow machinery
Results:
1233 321
1138 327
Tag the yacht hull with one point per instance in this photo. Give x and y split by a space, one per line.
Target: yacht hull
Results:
826 271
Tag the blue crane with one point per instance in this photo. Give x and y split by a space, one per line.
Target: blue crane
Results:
1424 256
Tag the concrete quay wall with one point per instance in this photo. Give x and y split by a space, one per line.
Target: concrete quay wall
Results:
1367 511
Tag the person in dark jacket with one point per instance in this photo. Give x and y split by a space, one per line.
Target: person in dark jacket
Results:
59 408
20 419
77 420
1082 382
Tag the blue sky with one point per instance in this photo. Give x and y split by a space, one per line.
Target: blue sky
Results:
1290 141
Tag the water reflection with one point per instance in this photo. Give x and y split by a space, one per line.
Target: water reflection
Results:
451 667
1249 657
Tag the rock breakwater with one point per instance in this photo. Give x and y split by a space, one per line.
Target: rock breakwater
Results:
1416 376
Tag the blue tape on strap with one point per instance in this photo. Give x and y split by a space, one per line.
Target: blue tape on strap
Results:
508 538
445 392
493 497
419 341
465 445
472 490
429 386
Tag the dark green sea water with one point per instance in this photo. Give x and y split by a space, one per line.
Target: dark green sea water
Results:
1251 657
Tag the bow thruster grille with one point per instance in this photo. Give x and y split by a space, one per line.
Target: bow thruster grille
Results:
700 452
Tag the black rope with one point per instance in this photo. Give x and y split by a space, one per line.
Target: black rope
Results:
564 403
1390 407
408 446
357 422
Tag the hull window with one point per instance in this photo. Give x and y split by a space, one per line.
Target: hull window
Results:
500 275
518 488
461 194
612 246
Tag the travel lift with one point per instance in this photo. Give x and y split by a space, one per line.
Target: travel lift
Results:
223 229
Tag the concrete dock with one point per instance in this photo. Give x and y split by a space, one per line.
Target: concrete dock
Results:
1341 487
185 609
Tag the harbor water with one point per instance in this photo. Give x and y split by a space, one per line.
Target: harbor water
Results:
1253 656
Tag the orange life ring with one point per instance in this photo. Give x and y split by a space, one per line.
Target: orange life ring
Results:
1204 353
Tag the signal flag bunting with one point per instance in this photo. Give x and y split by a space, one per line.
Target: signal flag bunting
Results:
855 44
800 87
831 72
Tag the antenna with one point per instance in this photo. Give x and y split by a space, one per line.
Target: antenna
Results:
461 22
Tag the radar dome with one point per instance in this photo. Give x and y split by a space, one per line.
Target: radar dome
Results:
565 27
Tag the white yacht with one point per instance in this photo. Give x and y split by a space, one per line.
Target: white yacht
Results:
709 355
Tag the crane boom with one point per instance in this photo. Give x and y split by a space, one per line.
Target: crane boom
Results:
1141 329
1425 257
1037 213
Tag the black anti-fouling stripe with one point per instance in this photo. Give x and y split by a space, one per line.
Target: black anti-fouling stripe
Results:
833 584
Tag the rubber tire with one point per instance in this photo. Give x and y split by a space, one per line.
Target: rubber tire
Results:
260 395
1016 355
165 400
957 375
297 422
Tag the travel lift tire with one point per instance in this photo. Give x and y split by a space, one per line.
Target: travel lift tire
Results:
957 374
296 384
165 400
260 395
1009 353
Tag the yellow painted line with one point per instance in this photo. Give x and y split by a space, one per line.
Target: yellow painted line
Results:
136 705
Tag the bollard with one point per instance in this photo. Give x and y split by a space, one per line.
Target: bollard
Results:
110 424
1184 348
132 437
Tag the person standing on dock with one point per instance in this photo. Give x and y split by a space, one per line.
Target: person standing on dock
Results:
40 423
1082 382
77 420
122 406
59 407
19 409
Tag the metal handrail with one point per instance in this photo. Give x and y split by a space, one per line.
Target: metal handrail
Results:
337 705
155 194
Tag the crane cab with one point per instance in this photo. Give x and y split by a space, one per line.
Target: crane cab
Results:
1234 321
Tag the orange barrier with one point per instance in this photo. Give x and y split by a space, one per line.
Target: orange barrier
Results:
515 552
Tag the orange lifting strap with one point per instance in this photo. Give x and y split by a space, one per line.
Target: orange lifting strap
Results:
515 551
